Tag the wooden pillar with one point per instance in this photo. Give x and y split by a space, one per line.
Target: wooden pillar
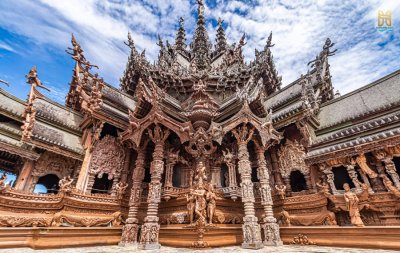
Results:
130 230
354 178
25 175
151 228
251 228
275 168
82 181
330 178
307 177
391 170
270 227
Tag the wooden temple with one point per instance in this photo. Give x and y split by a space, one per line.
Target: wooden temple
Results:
201 149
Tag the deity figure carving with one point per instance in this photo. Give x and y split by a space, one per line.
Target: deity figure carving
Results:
191 203
201 200
200 174
211 198
323 186
352 206
201 204
66 184
281 191
120 189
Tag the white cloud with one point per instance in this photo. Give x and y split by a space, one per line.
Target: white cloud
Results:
299 31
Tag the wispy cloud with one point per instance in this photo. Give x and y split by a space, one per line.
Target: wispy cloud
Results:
299 27
5 46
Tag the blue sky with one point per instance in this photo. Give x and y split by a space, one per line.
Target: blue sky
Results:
38 32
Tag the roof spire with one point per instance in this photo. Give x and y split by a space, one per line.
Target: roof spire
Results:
180 36
269 41
200 10
220 38
201 45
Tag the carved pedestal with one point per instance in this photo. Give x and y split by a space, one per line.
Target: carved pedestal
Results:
129 233
251 233
271 234
149 233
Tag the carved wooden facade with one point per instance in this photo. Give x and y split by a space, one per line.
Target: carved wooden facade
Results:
202 109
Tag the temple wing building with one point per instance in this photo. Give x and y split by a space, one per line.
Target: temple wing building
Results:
204 145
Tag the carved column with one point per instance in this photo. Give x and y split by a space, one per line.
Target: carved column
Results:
378 185
25 175
251 228
391 170
353 175
91 135
307 177
330 178
83 173
275 168
151 228
365 180
130 229
270 227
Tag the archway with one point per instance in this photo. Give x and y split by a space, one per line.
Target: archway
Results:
102 185
341 177
47 184
297 181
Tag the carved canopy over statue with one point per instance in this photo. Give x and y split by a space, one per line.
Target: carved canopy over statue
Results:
291 157
107 158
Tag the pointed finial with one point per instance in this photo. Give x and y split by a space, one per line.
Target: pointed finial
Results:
220 21
269 41
241 42
33 79
181 19
130 43
200 9
160 41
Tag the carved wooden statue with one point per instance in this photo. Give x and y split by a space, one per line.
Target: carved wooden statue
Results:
352 206
191 203
66 184
281 191
120 188
211 198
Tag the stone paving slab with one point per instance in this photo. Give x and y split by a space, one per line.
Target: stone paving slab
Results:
284 249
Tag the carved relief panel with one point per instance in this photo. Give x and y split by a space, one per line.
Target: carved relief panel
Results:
107 158
51 163
291 157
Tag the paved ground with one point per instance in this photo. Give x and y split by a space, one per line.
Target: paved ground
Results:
116 249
